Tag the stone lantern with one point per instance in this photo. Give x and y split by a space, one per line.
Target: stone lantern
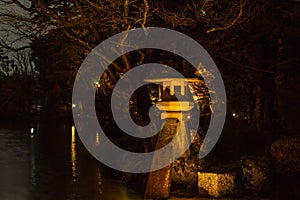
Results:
173 97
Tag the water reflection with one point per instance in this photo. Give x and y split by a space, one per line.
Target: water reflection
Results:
46 165
97 139
51 164
99 181
73 153
32 158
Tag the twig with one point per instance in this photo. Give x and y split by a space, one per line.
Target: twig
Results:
231 24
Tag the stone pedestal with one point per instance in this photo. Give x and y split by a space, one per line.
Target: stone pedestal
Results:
159 182
175 112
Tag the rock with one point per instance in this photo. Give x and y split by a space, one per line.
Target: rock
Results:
215 184
256 173
286 152
184 173
159 181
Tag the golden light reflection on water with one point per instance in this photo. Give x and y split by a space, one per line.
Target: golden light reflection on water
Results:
73 154
97 139
99 181
33 164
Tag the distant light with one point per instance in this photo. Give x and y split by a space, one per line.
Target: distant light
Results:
73 105
245 117
97 84
189 117
39 107
233 114
31 136
32 130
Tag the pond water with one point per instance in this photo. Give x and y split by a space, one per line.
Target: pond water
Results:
53 164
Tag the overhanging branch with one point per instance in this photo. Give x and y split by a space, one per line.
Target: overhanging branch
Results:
4 45
231 24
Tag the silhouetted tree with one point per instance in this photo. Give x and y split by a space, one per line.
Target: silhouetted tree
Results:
19 89
57 59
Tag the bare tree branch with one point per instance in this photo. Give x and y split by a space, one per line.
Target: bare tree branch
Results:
86 21
4 45
18 3
231 23
145 13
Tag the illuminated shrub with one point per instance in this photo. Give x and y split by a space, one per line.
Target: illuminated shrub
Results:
286 152
256 173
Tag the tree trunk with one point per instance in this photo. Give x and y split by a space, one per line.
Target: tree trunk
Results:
257 111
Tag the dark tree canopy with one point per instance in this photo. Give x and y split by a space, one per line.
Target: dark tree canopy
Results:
251 41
